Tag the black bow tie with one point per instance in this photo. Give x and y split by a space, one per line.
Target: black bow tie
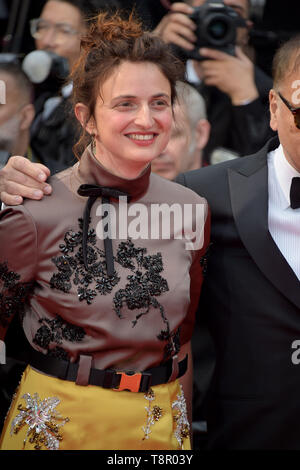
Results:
93 191
295 193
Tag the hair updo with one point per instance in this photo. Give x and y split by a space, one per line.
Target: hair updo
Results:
110 41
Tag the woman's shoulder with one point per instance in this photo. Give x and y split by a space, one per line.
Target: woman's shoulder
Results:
44 215
62 195
62 179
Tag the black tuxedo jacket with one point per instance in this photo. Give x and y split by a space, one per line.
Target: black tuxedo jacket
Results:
251 299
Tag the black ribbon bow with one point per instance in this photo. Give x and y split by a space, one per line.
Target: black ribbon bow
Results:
295 193
93 191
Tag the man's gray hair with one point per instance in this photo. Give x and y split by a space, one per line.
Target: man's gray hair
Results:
193 102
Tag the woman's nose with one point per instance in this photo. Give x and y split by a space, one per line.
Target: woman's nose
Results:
144 117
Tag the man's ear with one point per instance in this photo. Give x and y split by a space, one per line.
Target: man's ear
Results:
27 114
202 133
273 106
83 115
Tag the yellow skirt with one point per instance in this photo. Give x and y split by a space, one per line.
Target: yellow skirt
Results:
49 413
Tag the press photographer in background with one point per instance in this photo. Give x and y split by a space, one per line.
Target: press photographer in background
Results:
57 32
235 90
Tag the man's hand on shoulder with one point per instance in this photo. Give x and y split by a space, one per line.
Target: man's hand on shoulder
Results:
20 178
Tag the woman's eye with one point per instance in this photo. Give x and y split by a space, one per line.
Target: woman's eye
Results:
160 103
125 104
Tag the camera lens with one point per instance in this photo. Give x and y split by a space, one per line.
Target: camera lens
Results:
218 29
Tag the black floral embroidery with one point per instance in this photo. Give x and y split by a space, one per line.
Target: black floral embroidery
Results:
145 282
72 266
144 285
58 353
55 331
13 294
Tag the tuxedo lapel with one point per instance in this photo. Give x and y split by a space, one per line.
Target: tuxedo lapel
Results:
249 198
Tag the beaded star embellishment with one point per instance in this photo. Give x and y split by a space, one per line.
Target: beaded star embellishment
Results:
42 419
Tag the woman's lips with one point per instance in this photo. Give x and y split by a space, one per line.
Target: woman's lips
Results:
142 139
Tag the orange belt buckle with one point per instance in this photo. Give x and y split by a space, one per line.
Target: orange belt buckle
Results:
129 381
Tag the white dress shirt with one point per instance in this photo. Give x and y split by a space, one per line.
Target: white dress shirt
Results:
51 103
191 74
284 222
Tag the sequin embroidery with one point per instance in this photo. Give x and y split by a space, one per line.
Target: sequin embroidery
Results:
145 282
70 266
42 419
13 294
55 331
180 418
153 414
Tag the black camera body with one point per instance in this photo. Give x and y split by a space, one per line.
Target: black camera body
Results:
216 28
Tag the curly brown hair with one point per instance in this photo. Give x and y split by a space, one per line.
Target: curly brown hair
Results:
111 40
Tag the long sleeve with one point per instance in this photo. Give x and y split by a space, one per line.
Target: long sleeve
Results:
18 242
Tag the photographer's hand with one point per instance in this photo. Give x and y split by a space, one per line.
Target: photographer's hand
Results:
22 178
177 28
234 75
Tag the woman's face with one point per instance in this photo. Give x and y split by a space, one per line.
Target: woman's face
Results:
132 118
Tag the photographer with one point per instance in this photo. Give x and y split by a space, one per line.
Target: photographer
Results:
58 31
236 92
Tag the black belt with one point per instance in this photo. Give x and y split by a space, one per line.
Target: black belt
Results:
108 378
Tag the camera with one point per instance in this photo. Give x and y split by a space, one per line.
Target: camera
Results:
216 28
46 70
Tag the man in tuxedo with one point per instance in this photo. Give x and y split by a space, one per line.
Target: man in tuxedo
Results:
251 294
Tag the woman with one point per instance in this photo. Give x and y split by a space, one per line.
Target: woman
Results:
108 315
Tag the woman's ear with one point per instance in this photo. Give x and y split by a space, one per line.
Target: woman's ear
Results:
83 115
